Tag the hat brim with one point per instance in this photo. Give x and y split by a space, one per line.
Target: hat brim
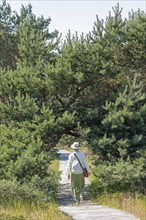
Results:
75 147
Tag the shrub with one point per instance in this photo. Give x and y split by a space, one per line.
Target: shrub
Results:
120 177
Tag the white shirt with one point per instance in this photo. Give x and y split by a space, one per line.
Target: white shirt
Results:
73 165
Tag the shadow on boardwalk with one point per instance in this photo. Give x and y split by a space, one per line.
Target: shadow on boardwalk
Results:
87 210
65 197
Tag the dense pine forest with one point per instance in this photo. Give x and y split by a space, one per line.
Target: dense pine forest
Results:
90 88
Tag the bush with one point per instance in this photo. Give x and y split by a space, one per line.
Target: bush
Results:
121 177
39 190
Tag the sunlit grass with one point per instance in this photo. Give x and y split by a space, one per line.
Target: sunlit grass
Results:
32 211
55 166
135 205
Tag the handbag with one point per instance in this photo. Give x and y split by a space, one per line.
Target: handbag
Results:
85 171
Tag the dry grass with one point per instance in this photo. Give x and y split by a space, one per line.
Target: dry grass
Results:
33 212
55 166
135 205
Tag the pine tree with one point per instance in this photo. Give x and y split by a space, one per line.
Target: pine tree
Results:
29 129
8 37
57 91
123 126
119 142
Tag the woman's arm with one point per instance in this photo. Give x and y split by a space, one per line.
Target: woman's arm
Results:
69 166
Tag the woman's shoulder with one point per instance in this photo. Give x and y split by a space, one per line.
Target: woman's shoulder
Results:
71 155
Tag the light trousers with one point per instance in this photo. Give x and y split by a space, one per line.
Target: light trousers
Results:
77 185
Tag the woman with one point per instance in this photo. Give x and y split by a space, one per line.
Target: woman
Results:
75 172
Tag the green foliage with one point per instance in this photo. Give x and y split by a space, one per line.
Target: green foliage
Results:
123 126
8 38
121 144
51 91
24 159
38 190
123 176
25 37
135 44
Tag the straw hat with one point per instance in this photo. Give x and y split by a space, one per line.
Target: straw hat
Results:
75 145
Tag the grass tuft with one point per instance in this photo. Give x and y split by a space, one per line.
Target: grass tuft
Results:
32 211
134 204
